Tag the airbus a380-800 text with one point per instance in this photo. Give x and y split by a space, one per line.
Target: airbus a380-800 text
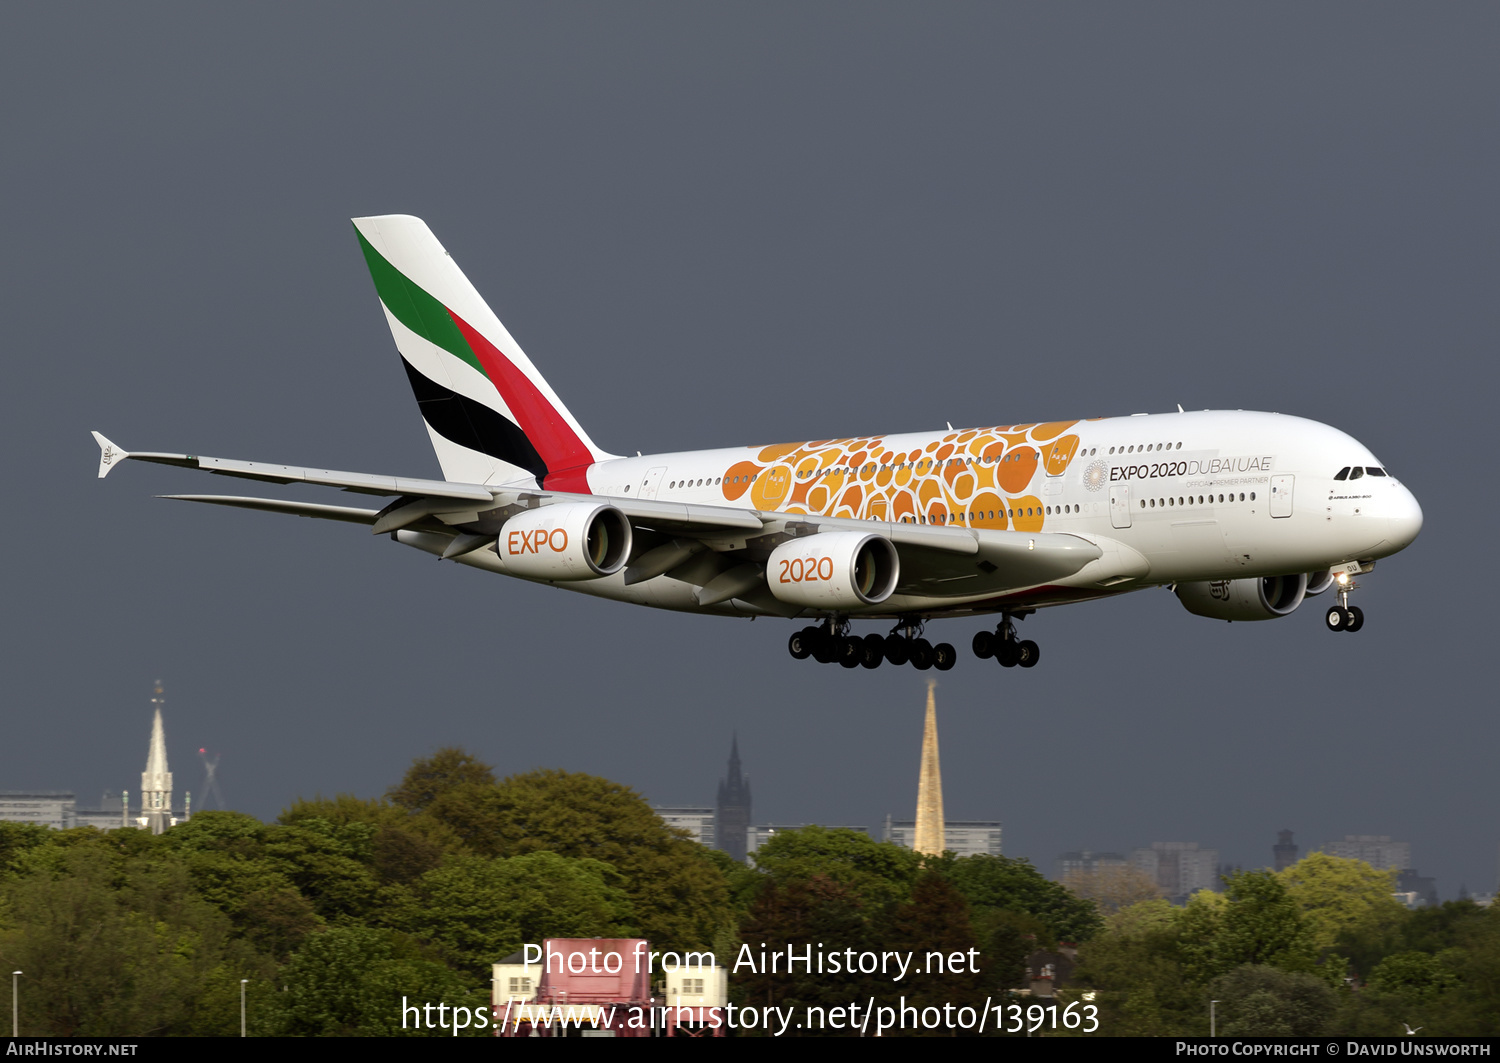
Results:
1242 514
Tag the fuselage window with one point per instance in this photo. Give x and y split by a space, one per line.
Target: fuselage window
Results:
1252 496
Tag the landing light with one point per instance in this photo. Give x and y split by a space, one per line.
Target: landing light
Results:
1343 578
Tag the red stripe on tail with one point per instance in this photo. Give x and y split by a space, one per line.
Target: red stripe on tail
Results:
566 456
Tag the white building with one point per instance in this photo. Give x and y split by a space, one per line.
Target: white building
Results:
758 835
1179 869
46 808
1087 862
962 837
699 822
1377 850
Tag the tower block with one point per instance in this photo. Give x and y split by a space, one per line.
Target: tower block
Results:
929 839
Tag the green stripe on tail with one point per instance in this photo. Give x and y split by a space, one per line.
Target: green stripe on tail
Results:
413 307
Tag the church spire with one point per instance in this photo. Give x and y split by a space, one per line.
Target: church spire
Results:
156 780
930 838
732 817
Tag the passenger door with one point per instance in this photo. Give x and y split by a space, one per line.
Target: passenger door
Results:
1281 495
651 482
1119 506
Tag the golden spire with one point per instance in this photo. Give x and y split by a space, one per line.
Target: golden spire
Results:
929 839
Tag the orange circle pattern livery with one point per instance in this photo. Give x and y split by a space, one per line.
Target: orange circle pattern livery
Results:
974 478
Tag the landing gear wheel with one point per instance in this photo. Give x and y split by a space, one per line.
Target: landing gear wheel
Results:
898 649
944 656
800 644
851 652
1356 618
1007 653
1337 619
824 648
872 651
922 655
984 644
1027 654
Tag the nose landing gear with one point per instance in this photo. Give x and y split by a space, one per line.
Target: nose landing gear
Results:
1344 617
1005 647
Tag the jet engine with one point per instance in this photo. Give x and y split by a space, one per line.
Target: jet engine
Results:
1319 581
834 570
568 541
1262 598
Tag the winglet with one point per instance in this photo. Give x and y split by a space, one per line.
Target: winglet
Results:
110 455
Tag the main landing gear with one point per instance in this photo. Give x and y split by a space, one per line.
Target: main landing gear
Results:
831 643
1005 647
1344 617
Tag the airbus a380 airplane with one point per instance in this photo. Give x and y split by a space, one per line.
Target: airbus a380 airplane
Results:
1242 514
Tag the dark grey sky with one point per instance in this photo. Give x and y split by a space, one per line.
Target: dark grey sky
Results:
716 225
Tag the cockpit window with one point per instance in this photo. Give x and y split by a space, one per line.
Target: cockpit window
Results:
1343 474
1374 470
1356 472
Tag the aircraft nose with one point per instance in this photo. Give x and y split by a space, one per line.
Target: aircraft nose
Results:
1403 518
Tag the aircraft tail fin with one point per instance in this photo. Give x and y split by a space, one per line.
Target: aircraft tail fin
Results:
492 417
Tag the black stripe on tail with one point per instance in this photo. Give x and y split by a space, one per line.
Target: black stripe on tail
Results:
471 424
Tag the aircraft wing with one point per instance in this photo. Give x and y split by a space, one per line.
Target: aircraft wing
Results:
936 561
111 454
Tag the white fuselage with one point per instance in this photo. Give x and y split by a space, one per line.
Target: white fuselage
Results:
1170 498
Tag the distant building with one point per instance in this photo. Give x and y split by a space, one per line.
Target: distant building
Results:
699 822
1415 890
732 822
604 987
1284 852
1377 850
1086 862
1179 869
112 814
46 808
761 833
963 837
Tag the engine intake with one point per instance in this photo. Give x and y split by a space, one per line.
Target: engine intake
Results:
834 570
1262 598
568 541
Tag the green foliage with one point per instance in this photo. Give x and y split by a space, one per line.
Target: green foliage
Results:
478 909
1006 884
17 838
355 981
431 777
1137 964
878 874
1414 975
678 895
934 928
1261 1001
1260 925
113 942
1343 900
803 913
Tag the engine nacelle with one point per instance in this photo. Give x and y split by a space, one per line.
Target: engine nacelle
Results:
834 570
1319 581
568 541
1262 598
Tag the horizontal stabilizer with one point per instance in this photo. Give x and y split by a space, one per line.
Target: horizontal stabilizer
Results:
276 505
